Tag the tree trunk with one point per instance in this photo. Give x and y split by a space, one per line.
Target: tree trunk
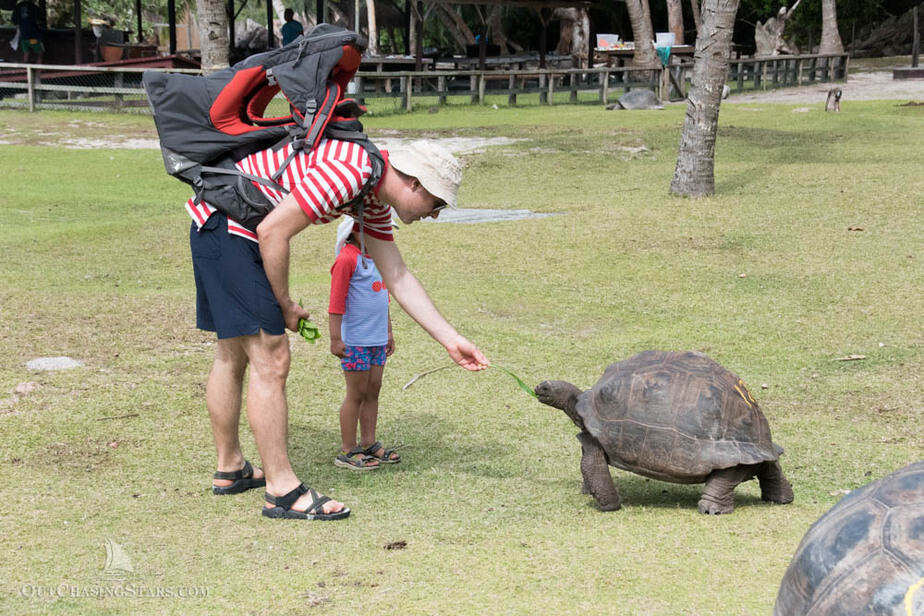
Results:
830 36
455 25
497 28
694 174
373 48
565 29
675 20
573 34
642 32
769 37
697 22
213 34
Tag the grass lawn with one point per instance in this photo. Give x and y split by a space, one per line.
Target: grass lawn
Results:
809 252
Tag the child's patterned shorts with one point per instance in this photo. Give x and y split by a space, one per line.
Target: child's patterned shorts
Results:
362 358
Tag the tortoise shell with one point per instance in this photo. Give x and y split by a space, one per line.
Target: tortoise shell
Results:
675 416
864 556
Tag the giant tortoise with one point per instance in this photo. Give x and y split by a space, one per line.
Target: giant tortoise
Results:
864 556
672 416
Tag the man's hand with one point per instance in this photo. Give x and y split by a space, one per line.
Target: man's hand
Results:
291 313
466 354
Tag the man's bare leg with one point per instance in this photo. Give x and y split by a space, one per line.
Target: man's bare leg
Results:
223 399
268 413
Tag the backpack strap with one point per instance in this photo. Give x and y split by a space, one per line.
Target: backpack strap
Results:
242 174
299 137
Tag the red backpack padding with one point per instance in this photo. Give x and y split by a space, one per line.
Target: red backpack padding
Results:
207 123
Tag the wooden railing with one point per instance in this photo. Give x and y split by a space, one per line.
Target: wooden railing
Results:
477 85
786 71
83 87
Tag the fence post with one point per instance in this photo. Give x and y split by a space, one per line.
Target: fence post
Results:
359 90
512 86
572 98
408 86
30 87
551 89
543 93
740 66
441 89
473 87
664 84
482 84
604 86
119 81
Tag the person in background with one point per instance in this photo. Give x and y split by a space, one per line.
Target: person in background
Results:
31 34
292 29
361 336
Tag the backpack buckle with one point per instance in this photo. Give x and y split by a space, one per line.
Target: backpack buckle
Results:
270 77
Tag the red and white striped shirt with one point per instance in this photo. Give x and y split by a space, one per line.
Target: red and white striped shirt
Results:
322 180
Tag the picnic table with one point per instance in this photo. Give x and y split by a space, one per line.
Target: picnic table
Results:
619 56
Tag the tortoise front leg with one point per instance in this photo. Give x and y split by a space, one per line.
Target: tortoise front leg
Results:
719 493
596 473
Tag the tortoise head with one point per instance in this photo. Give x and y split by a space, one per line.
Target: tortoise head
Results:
562 395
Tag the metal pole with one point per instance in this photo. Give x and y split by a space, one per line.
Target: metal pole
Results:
916 44
231 35
270 37
140 37
78 39
171 21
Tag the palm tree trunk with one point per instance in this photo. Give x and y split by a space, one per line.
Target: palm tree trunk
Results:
642 32
675 20
830 36
213 34
694 4
373 47
694 174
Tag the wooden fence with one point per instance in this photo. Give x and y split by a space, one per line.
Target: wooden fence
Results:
83 87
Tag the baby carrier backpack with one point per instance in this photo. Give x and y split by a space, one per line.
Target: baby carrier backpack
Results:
208 123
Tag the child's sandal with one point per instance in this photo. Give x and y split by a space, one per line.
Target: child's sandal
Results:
388 455
356 460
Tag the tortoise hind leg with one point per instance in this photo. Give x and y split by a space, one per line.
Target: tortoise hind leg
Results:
719 493
596 473
774 486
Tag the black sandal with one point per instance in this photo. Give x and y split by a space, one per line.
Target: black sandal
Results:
283 506
356 460
243 480
385 458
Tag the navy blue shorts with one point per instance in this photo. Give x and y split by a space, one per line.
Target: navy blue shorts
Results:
233 295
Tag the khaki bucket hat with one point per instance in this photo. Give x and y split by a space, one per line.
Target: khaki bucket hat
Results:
434 166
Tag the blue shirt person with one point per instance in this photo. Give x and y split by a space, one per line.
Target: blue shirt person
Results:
292 29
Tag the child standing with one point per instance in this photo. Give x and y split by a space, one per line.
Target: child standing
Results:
360 335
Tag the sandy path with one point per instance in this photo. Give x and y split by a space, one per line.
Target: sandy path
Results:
877 85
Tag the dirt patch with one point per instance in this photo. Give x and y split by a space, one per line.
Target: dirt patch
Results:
875 85
471 216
